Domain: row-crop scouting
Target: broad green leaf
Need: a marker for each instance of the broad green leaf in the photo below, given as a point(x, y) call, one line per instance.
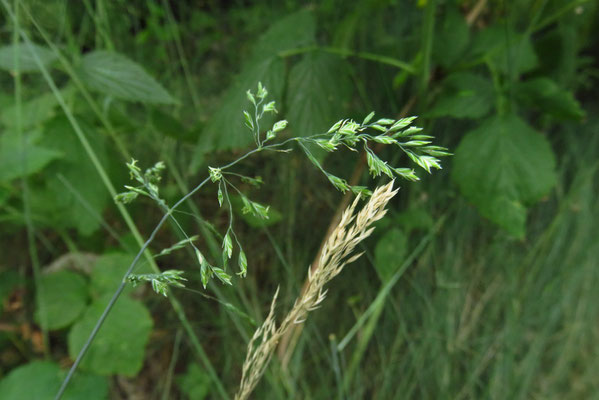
point(390, 252)
point(108, 273)
point(26, 57)
point(17, 160)
point(40, 380)
point(464, 95)
point(319, 89)
point(511, 53)
point(545, 95)
point(195, 383)
point(226, 129)
point(119, 347)
point(77, 193)
point(114, 74)
point(451, 39)
point(33, 112)
point(64, 299)
point(503, 166)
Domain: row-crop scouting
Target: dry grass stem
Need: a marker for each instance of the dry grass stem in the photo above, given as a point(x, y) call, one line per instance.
point(339, 250)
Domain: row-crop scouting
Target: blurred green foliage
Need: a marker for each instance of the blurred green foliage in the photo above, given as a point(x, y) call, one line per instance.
point(479, 284)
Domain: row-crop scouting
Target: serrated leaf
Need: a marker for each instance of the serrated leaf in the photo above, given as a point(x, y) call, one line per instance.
point(114, 74)
point(26, 56)
point(119, 347)
point(64, 299)
point(319, 87)
point(545, 95)
point(263, 66)
point(502, 167)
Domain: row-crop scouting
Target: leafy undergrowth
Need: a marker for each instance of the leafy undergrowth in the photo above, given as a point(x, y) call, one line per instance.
point(479, 283)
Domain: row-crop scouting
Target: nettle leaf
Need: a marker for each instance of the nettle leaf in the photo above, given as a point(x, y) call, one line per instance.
point(114, 74)
point(464, 95)
point(40, 380)
point(390, 252)
point(545, 95)
point(502, 167)
point(64, 299)
point(264, 66)
point(27, 57)
point(119, 347)
point(319, 88)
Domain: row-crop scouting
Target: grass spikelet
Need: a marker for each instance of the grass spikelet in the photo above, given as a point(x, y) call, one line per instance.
point(338, 251)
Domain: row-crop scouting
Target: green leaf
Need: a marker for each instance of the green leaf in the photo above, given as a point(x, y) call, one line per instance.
point(108, 272)
point(33, 112)
point(115, 75)
point(17, 161)
point(64, 299)
point(452, 38)
point(464, 95)
point(195, 383)
point(79, 197)
point(319, 91)
point(264, 66)
point(511, 53)
point(40, 380)
point(26, 56)
point(502, 167)
point(390, 252)
point(119, 347)
point(545, 95)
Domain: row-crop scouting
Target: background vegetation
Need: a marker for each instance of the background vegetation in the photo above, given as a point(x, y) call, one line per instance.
point(480, 283)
